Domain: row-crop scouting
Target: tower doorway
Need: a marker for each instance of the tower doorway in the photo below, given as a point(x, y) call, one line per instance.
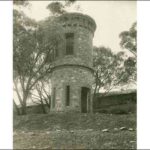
point(85, 99)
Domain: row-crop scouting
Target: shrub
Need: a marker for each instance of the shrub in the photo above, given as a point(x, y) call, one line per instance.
point(118, 111)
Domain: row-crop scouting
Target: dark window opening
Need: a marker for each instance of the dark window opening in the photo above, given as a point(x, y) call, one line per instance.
point(85, 99)
point(69, 43)
point(53, 53)
point(54, 97)
point(67, 95)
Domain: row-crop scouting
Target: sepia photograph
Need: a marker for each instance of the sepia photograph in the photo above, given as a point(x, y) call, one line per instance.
point(74, 74)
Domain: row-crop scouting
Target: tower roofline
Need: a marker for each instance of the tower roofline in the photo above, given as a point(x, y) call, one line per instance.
point(79, 17)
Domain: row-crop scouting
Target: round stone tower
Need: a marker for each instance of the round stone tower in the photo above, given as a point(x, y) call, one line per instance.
point(72, 72)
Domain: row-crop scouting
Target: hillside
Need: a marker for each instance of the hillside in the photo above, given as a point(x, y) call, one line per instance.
point(78, 131)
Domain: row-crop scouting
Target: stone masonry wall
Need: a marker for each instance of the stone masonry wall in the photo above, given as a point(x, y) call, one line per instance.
point(82, 49)
point(73, 70)
point(82, 41)
point(74, 77)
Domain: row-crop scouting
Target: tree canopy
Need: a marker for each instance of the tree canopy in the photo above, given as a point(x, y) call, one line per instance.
point(21, 2)
point(58, 8)
point(34, 44)
point(129, 39)
point(110, 69)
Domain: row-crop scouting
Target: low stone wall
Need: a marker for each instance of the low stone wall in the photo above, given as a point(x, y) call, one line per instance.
point(34, 109)
point(115, 103)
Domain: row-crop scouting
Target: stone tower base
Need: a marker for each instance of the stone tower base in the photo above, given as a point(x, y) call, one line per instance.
point(79, 81)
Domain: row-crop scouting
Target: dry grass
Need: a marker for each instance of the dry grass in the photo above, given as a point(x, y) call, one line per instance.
point(74, 131)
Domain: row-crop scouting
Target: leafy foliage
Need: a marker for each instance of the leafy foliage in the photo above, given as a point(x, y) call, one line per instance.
point(21, 2)
point(58, 8)
point(131, 68)
point(34, 46)
point(110, 69)
point(129, 39)
point(41, 95)
point(24, 42)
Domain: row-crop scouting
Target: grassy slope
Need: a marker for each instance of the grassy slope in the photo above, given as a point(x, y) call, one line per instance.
point(74, 131)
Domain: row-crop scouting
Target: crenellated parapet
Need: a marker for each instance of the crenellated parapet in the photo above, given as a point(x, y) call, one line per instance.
point(77, 20)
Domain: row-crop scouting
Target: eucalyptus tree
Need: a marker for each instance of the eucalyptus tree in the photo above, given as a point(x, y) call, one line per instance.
point(129, 39)
point(42, 94)
point(110, 70)
point(59, 7)
point(34, 45)
point(129, 42)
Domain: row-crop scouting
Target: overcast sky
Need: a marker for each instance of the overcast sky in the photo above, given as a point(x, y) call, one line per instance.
point(111, 17)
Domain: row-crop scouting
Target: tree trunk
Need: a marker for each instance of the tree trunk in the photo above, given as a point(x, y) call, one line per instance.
point(94, 96)
point(43, 107)
point(47, 102)
point(16, 108)
point(24, 104)
point(24, 111)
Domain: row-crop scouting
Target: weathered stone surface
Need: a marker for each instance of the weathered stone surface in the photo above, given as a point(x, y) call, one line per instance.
point(73, 70)
point(105, 130)
point(131, 129)
point(123, 128)
point(76, 78)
